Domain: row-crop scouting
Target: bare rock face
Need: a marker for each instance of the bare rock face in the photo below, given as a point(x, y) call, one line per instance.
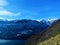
point(47, 37)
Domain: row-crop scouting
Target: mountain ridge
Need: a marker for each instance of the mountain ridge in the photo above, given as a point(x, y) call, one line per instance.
point(46, 34)
point(21, 28)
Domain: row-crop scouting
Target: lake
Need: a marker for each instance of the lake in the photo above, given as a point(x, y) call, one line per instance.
point(12, 42)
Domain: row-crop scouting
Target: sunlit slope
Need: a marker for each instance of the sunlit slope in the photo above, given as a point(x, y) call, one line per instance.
point(50, 36)
point(52, 41)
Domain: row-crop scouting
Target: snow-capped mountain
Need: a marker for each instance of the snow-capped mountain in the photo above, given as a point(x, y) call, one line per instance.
point(22, 29)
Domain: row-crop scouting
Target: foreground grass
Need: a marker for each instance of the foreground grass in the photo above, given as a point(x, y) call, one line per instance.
point(55, 40)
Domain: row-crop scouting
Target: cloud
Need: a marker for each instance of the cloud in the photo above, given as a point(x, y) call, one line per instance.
point(8, 13)
point(4, 2)
point(52, 19)
point(2, 18)
point(4, 12)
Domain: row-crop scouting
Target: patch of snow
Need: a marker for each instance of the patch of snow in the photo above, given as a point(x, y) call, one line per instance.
point(18, 34)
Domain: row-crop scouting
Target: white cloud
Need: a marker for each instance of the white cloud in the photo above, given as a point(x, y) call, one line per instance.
point(52, 19)
point(4, 2)
point(4, 12)
point(8, 13)
point(2, 18)
point(9, 19)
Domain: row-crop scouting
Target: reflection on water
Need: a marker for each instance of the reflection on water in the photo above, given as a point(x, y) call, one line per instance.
point(4, 41)
point(12, 42)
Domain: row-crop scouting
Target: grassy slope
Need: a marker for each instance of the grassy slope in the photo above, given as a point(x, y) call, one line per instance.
point(55, 37)
point(54, 40)
point(49, 37)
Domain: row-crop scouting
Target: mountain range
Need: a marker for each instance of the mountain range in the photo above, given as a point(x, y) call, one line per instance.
point(50, 36)
point(22, 29)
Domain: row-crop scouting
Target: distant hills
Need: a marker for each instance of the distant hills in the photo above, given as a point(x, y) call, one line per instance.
point(22, 29)
point(50, 36)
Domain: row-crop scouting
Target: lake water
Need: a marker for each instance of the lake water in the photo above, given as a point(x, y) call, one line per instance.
point(12, 42)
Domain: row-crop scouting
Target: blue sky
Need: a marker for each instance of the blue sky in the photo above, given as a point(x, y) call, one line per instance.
point(29, 9)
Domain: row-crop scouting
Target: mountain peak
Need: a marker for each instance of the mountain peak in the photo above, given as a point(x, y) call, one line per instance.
point(47, 34)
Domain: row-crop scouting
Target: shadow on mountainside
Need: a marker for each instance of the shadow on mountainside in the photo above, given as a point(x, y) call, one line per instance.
point(45, 35)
